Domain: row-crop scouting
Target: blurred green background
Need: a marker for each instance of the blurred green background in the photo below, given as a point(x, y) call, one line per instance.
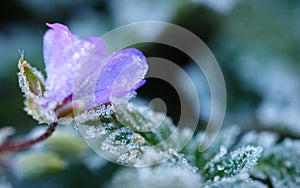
point(257, 44)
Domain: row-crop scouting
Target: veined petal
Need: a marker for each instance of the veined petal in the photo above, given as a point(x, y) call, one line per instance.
point(63, 52)
point(122, 73)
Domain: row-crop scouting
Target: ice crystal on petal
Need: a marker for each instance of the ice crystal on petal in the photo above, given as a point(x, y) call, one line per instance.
point(78, 76)
point(62, 55)
point(122, 73)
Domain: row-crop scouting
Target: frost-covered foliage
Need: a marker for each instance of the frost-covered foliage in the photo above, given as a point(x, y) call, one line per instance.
point(139, 137)
point(247, 165)
point(240, 160)
point(280, 164)
point(255, 159)
point(133, 135)
point(122, 141)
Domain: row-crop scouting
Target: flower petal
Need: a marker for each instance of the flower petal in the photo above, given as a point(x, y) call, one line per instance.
point(122, 73)
point(63, 52)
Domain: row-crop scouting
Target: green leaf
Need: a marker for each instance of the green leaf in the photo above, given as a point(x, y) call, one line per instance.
point(240, 160)
point(226, 138)
point(131, 135)
point(112, 140)
point(31, 81)
point(280, 164)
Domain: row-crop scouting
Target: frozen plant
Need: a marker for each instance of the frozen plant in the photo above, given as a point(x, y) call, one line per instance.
point(70, 60)
point(93, 92)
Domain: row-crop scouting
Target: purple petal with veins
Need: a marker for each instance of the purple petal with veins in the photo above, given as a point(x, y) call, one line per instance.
point(62, 54)
point(122, 73)
point(77, 69)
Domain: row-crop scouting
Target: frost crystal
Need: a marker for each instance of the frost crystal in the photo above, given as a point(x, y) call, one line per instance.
point(102, 111)
point(280, 164)
point(138, 118)
point(226, 138)
point(92, 131)
point(114, 133)
point(241, 160)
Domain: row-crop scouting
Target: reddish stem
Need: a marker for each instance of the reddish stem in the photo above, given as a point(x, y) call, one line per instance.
point(18, 145)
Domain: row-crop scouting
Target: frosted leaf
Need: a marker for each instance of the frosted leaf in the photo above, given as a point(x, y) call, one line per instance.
point(103, 111)
point(240, 160)
point(280, 164)
point(179, 161)
point(42, 115)
point(155, 127)
point(118, 140)
point(151, 156)
point(92, 131)
point(219, 156)
point(31, 81)
point(225, 139)
point(138, 118)
point(113, 142)
point(244, 158)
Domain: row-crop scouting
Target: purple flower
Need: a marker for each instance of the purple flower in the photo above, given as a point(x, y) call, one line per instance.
point(74, 66)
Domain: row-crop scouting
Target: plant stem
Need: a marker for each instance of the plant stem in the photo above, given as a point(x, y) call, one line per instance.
point(11, 146)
